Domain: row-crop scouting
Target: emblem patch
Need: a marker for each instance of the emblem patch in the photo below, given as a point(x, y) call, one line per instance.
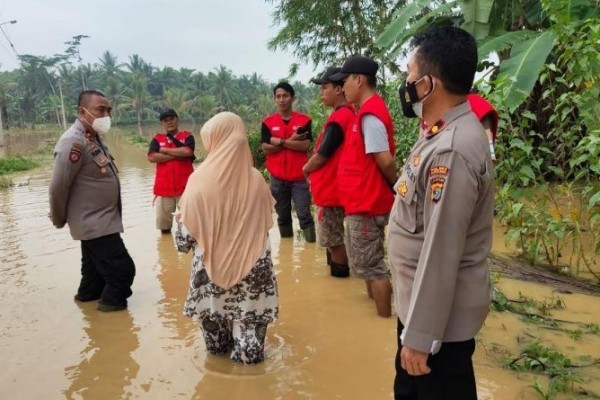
point(437, 186)
point(416, 160)
point(437, 180)
point(439, 170)
point(402, 189)
point(75, 153)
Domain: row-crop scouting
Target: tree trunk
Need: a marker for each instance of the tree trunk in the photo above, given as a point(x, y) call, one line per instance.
point(139, 118)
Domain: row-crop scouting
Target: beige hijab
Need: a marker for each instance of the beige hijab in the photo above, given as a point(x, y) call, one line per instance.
point(227, 205)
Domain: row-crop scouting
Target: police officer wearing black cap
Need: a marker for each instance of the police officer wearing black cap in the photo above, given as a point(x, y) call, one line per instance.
point(321, 171)
point(173, 154)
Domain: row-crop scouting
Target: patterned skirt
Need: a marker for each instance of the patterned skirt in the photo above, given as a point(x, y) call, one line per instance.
point(253, 300)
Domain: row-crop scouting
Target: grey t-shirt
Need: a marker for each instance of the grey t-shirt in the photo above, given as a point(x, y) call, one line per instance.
point(375, 134)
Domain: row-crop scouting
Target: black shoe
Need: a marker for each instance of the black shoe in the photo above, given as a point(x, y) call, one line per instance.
point(82, 299)
point(109, 307)
point(165, 231)
point(339, 271)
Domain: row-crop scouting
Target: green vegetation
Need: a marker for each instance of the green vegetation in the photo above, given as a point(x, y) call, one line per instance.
point(44, 90)
point(545, 87)
point(11, 164)
point(535, 357)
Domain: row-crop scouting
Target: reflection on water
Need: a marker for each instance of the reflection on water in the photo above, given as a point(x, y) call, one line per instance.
point(107, 365)
point(327, 344)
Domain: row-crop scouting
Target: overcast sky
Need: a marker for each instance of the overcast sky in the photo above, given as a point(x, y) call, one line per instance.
point(197, 34)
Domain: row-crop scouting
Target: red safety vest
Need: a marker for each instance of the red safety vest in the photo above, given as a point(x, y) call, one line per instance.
point(323, 181)
point(286, 164)
point(482, 108)
point(362, 187)
point(171, 176)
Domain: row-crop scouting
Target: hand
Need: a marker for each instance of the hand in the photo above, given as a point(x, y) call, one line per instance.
point(305, 172)
point(414, 362)
point(298, 136)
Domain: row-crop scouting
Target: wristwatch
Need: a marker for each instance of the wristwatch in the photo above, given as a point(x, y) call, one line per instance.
point(282, 143)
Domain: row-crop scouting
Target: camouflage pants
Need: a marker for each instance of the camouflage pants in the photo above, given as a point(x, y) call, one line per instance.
point(365, 239)
point(330, 226)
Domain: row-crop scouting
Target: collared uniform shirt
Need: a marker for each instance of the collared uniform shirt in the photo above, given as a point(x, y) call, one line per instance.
point(440, 233)
point(85, 190)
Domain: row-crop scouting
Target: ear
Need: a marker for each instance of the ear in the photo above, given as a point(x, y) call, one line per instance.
point(433, 81)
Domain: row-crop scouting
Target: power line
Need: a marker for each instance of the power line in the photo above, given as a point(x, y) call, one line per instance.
point(9, 41)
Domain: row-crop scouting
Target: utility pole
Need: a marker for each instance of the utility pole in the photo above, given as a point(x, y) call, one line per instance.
point(2, 105)
point(1, 127)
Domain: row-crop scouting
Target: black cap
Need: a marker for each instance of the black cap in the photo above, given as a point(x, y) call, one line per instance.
point(326, 76)
point(357, 65)
point(167, 112)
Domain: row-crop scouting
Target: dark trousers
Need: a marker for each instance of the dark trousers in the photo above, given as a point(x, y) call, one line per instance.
point(284, 192)
point(107, 270)
point(451, 377)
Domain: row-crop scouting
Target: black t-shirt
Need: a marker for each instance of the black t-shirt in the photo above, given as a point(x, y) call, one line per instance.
point(332, 140)
point(265, 132)
point(189, 142)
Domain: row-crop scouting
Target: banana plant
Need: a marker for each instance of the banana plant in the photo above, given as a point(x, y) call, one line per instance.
point(486, 20)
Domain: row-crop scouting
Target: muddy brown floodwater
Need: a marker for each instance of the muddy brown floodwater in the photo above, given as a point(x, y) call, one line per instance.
point(327, 344)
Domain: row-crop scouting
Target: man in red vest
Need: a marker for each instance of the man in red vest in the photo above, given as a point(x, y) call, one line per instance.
point(322, 169)
point(366, 173)
point(173, 154)
point(286, 137)
point(488, 116)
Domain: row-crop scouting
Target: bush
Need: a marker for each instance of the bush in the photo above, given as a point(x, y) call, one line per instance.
point(11, 164)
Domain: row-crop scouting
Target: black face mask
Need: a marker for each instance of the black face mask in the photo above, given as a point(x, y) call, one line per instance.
point(408, 95)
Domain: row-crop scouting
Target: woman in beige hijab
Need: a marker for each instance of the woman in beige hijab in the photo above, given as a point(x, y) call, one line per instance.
point(225, 216)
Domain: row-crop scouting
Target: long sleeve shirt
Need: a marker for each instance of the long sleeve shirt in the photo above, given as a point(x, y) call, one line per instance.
point(440, 233)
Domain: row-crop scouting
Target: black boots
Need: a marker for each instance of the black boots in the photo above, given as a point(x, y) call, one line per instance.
point(339, 270)
point(309, 234)
point(286, 231)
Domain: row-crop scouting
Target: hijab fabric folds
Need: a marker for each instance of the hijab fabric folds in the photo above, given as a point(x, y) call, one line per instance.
point(227, 205)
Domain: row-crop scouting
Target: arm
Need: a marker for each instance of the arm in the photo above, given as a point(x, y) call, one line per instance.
point(267, 144)
point(159, 158)
point(376, 144)
point(183, 238)
point(158, 154)
point(333, 137)
point(314, 163)
point(178, 152)
point(67, 162)
point(300, 140)
point(487, 126)
point(451, 193)
point(387, 166)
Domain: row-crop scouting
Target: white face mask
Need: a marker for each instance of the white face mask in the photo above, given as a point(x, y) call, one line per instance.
point(101, 125)
point(418, 107)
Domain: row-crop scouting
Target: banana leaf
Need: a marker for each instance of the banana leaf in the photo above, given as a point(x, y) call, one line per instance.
point(522, 69)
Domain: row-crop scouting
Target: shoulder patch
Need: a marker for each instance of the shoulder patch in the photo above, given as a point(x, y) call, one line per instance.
point(437, 180)
point(437, 186)
point(75, 153)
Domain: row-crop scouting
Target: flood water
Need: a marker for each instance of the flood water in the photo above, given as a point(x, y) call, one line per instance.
point(327, 344)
